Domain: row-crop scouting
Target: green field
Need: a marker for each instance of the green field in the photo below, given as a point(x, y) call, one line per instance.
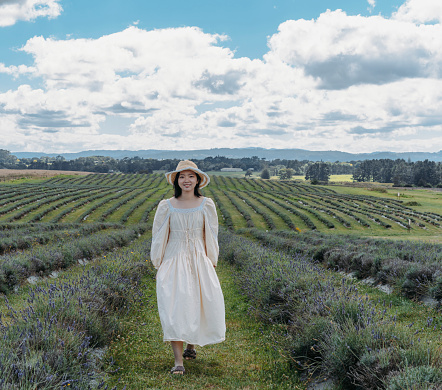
point(93, 231)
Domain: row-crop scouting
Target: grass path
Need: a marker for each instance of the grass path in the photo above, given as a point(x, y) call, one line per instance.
point(246, 360)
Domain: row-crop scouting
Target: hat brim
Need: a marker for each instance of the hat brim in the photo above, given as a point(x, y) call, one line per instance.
point(205, 179)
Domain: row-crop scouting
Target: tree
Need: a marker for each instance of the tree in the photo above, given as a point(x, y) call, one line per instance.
point(425, 173)
point(400, 174)
point(248, 173)
point(285, 174)
point(318, 171)
point(364, 171)
point(274, 169)
point(297, 166)
point(6, 157)
point(439, 174)
point(265, 174)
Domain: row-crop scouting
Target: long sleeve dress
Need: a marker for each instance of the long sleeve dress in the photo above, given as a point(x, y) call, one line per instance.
point(184, 251)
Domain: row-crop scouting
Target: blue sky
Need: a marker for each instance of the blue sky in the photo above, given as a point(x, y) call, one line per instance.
point(139, 74)
point(247, 23)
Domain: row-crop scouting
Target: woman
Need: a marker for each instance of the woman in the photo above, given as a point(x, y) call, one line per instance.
point(185, 253)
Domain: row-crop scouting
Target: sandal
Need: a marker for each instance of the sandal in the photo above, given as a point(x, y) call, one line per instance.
point(178, 370)
point(189, 354)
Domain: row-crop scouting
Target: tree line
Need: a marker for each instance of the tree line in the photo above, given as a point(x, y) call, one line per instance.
point(399, 172)
point(104, 164)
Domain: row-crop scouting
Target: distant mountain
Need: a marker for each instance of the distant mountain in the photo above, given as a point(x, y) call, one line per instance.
point(268, 154)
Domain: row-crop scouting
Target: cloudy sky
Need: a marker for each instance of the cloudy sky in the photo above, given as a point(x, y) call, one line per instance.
point(348, 75)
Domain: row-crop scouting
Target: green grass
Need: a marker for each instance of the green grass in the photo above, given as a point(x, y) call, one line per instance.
point(245, 360)
point(430, 201)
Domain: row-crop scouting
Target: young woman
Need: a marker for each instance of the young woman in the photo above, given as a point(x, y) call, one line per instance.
point(185, 253)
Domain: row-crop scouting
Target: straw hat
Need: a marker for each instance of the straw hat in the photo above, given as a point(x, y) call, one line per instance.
point(188, 165)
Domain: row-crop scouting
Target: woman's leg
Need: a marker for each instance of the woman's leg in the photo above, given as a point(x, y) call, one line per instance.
point(177, 347)
point(190, 352)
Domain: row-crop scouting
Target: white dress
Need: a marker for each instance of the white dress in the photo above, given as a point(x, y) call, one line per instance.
point(184, 251)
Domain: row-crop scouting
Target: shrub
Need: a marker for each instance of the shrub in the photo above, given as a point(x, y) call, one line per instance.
point(375, 365)
point(412, 203)
point(416, 281)
point(379, 189)
point(416, 378)
point(304, 340)
point(362, 264)
point(265, 174)
point(436, 290)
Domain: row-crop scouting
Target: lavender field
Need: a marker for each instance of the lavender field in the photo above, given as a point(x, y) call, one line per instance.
point(348, 278)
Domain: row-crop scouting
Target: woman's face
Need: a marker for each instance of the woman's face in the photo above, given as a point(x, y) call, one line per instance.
point(187, 180)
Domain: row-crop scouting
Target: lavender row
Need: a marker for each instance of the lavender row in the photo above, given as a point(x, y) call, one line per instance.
point(24, 236)
point(59, 340)
point(136, 205)
point(224, 213)
point(41, 261)
point(412, 268)
point(329, 327)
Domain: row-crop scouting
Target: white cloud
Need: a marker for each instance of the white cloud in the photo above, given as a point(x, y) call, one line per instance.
point(161, 74)
point(16, 71)
point(420, 11)
point(12, 11)
point(338, 82)
point(341, 50)
point(165, 61)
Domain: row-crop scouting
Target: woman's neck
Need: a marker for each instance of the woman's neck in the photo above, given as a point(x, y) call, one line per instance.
point(186, 202)
point(187, 196)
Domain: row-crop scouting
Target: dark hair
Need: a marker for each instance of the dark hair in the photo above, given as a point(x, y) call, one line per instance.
point(179, 191)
